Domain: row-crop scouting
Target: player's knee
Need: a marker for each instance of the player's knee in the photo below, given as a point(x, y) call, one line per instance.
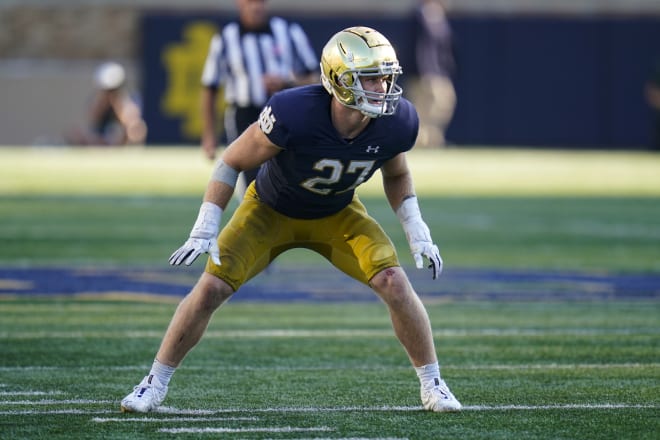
point(391, 284)
point(213, 292)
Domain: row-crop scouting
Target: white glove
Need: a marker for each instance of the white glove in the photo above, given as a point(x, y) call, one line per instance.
point(203, 237)
point(419, 236)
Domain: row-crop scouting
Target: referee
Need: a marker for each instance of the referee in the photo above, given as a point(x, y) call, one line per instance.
point(252, 58)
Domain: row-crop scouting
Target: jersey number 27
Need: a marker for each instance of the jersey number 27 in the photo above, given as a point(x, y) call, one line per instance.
point(323, 185)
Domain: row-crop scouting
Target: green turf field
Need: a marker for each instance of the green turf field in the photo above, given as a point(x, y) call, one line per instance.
point(523, 370)
point(535, 368)
point(450, 172)
point(486, 208)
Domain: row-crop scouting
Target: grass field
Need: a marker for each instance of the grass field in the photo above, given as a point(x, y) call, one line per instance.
point(533, 368)
point(449, 172)
point(523, 370)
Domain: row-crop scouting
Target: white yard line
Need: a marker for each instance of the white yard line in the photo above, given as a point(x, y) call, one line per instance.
point(56, 402)
point(172, 419)
point(205, 413)
point(30, 393)
point(340, 333)
point(555, 366)
point(34, 412)
point(540, 366)
point(242, 430)
point(604, 406)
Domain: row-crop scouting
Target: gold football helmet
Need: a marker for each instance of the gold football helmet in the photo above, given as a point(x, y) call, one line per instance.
point(358, 52)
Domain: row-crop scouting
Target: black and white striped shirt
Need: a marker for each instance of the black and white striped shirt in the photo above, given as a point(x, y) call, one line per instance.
point(238, 59)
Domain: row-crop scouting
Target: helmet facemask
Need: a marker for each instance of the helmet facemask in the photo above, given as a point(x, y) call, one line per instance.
point(373, 104)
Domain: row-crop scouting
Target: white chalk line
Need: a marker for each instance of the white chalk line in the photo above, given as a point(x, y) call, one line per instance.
point(57, 402)
point(242, 430)
point(218, 412)
point(587, 406)
point(339, 333)
point(171, 419)
point(30, 393)
point(33, 412)
point(541, 366)
point(161, 410)
point(555, 366)
point(603, 406)
point(294, 409)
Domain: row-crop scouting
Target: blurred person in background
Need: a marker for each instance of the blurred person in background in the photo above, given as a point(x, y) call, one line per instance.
point(114, 116)
point(433, 91)
point(652, 92)
point(252, 58)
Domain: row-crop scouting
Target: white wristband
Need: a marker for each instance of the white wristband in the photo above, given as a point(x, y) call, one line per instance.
point(409, 211)
point(208, 221)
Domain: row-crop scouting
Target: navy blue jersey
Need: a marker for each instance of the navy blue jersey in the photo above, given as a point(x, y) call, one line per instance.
point(317, 172)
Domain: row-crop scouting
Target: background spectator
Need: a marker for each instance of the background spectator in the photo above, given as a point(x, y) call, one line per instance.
point(114, 116)
point(433, 91)
point(652, 91)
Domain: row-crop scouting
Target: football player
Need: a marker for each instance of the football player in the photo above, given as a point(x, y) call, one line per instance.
point(317, 143)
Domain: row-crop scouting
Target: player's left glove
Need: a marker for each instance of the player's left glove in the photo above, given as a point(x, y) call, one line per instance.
point(203, 237)
point(419, 236)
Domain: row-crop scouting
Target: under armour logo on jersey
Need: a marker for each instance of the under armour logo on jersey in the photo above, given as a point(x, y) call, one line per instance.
point(266, 120)
point(373, 148)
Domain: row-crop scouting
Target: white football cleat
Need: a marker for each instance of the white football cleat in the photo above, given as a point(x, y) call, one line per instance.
point(437, 397)
point(146, 396)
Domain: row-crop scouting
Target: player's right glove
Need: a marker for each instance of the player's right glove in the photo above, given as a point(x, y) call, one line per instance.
point(203, 237)
point(419, 236)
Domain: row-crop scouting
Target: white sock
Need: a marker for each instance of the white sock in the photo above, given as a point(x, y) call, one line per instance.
point(429, 373)
point(163, 372)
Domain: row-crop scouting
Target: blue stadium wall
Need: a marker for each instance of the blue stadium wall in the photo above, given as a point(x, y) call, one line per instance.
point(521, 81)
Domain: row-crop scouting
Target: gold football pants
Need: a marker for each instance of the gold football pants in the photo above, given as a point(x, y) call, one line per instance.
point(350, 239)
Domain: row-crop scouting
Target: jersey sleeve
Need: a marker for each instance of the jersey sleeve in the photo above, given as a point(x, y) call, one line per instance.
point(273, 123)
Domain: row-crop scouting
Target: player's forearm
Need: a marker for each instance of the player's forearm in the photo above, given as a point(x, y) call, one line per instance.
point(398, 188)
point(218, 193)
point(221, 184)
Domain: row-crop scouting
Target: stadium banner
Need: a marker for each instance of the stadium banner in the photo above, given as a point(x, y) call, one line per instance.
point(174, 49)
point(521, 80)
